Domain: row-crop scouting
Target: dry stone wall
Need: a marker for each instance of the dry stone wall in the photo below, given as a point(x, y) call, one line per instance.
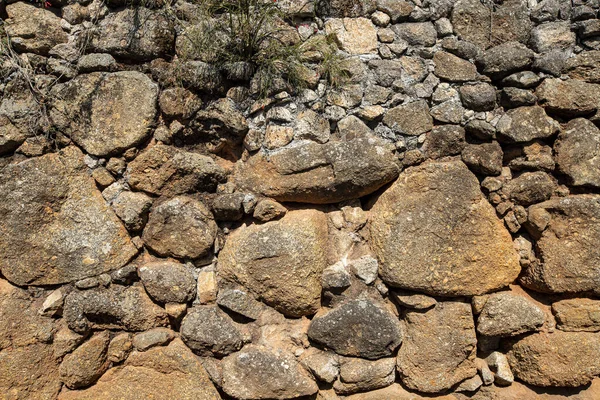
point(429, 227)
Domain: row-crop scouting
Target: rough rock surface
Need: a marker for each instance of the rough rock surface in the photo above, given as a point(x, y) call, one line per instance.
point(56, 226)
point(577, 315)
point(433, 258)
point(569, 98)
point(525, 124)
point(281, 261)
point(578, 152)
point(33, 29)
point(168, 282)
point(439, 347)
point(87, 363)
point(208, 330)
point(508, 314)
point(106, 113)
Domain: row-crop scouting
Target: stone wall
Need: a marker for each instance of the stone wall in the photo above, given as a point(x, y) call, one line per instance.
point(428, 229)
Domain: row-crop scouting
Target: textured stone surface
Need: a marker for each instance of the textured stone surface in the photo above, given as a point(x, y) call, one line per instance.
point(356, 36)
point(105, 113)
point(578, 152)
point(524, 124)
point(256, 372)
point(208, 330)
point(409, 119)
point(168, 282)
point(508, 314)
point(434, 258)
point(577, 315)
point(56, 226)
point(439, 347)
point(347, 330)
point(358, 375)
point(87, 363)
point(454, 69)
point(563, 359)
point(33, 29)
point(320, 173)
point(569, 98)
point(281, 261)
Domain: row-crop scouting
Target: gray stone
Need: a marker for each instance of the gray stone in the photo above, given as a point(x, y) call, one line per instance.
point(454, 69)
point(347, 330)
point(241, 302)
point(522, 80)
point(228, 206)
point(96, 62)
point(409, 119)
point(449, 112)
point(577, 151)
point(365, 268)
point(485, 158)
point(513, 97)
point(323, 364)
point(396, 9)
point(179, 102)
point(335, 277)
point(152, 338)
point(508, 314)
point(168, 282)
point(503, 375)
point(551, 36)
point(209, 331)
point(525, 124)
point(530, 187)
point(569, 98)
point(480, 97)
point(311, 126)
point(132, 208)
point(416, 33)
point(505, 59)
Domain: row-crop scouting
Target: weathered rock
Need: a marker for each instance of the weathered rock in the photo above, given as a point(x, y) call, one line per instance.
point(105, 113)
point(395, 9)
point(564, 359)
point(505, 59)
point(394, 392)
point(585, 66)
point(513, 97)
point(347, 330)
point(358, 375)
point(170, 171)
point(336, 277)
point(354, 35)
point(152, 338)
point(569, 98)
point(119, 347)
point(179, 103)
point(409, 119)
point(173, 369)
point(365, 268)
point(256, 372)
point(320, 173)
point(448, 112)
point(311, 126)
point(445, 140)
point(508, 314)
point(135, 33)
point(416, 33)
point(56, 226)
point(566, 248)
point(240, 302)
point(577, 315)
point(85, 365)
point(480, 97)
point(132, 208)
point(118, 307)
point(523, 80)
point(454, 69)
point(96, 62)
point(485, 158)
point(439, 347)
point(578, 152)
point(168, 282)
point(535, 156)
point(440, 261)
point(503, 375)
point(551, 36)
point(209, 331)
point(267, 210)
point(280, 261)
point(345, 8)
point(180, 227)
point(324, 365)
point(228, 206)
point(481, 130)
point(530, 187)
point(32, 29)
point(413, 300)
point(525, 124)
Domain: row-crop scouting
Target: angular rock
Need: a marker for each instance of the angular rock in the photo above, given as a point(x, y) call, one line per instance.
point(552, 36)
point(505, 59)
point(267, 210)
point(209, 331)
point(87, 363)
point(396, 9)
point(256, 372)
point(503, 375)
point(228, 206)
point(454, 69)
point(336, 277)
point(119, 347)
point(567, 252)
point(522, 80)
point(32, 29)
point(168, 282)
point(585, 66)
point(577, 315)
point(439, 347)
point(280, 261)
point(344, 8)
point(166, 170)
point(354, 35)
point(311, 126)
point(127, 308)
point(485, 158)
point(324, 365)
point(180, 227)
point(240, 302)
point(179, 103)
point(358, 375)
point(347, 330)
point(445, 140)
point(480, 97)
point(173, 369)
point(508, 314)
point(416, 33)
point(448, 112)
point(563, 359)
point(409, 119)
point(434, 258)
point(152, 338)
point(132, 208)
point(320, 173)
point(105, 113)
point(513, 97)
point(525, 124)
point(136, 33)
point(578, 152)
point(530, 187)
point(56, 226)
point(413, 300)
point(570, 98)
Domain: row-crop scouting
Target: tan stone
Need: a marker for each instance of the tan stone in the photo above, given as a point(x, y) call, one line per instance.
point(354, 35)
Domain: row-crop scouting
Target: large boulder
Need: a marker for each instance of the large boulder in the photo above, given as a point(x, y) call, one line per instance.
point(567, 248)
point(56, 227)
point(173, 369)
point(310, 172)
point(418, 230)
point(569, 98)
point(257, 372)
point(578, 152)
point(564, 359)
point(439, 347)
point(32, 29)
point(180, 227)
point(280, 261)
point(348, 330)
point(135, 33)
point(105, 113)
point(167, 170)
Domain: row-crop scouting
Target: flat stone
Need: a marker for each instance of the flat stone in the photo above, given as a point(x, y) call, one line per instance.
point(409, 119)
point(577, 150)
point(413, 300)
point(569, 98)
point(168, 282)
point(577, 315)
point(87, 363)
point(319, 173)
point(440, 262)
point(416, 33)
point(180, 227)
point(566, 248)
point(505, 59)
point(76, 236)
point(280, 261)
point(508, 314)
point(454, 69)
point(347, 330)
point(354, 35)
point(444, 140)
point(563, 359)
point(210, 332)
point(358, 375)
point(530, 187)
point(240, 302)
point(551, 36)
point(585, 66)
point(439, 347)
point(256, 372)
point(525, 124)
